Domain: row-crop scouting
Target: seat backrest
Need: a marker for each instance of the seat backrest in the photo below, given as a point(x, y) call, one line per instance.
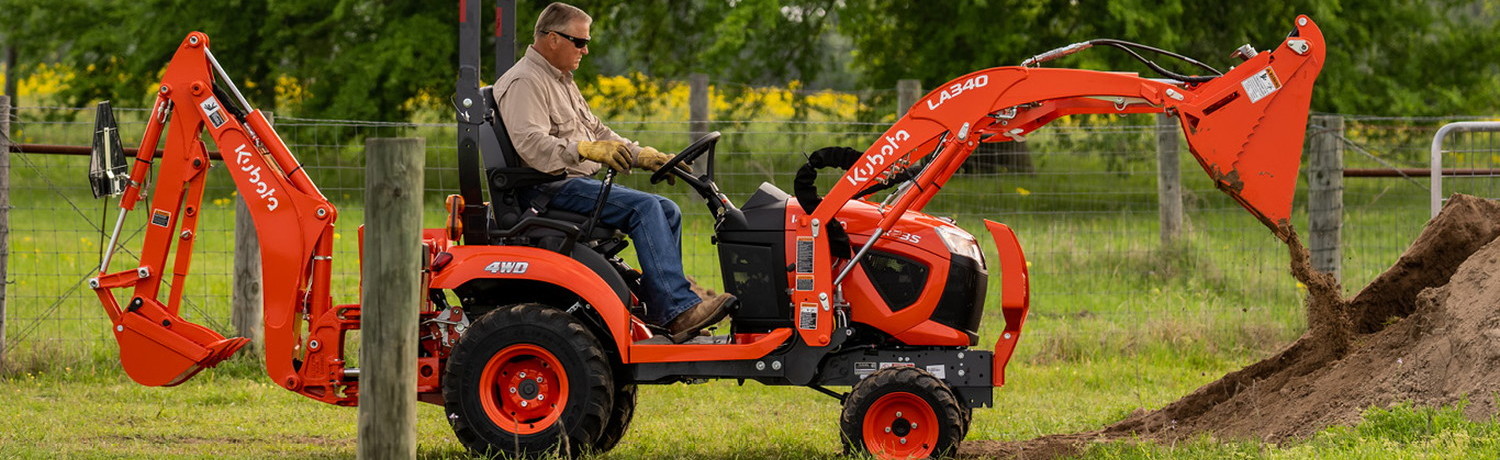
point(495, 143)
point(504, 172)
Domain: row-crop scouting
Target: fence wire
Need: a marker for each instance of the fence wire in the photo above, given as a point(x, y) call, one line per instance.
point(1081, 195)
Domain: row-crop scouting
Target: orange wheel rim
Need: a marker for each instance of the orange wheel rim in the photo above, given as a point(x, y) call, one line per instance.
point(523, 389)
point(900, 425)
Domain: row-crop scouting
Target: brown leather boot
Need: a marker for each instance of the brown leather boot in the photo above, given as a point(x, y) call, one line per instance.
point(707, 312)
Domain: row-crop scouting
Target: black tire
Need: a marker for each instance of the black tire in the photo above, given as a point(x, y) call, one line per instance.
point(497, 384)
point(902, 412)
point(619, 419)
point(968, 418)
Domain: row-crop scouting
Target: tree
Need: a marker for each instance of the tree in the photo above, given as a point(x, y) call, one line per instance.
point(1402, 57)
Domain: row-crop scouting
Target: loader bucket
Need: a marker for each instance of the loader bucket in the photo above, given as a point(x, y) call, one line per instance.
point(1246, 128)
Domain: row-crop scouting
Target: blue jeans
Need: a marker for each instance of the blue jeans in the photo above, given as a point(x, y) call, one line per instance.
point(653, 222)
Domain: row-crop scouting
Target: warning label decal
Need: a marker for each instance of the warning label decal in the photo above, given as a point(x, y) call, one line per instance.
point(1262, 84)
point(807, 317)
point(160, 217)
point(213, 111)
point(804, 255)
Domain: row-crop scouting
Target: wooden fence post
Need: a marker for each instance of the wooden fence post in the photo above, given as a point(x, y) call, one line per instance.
point(907, 92)
point(246, 304)
point(697, 105)
point(5, 112)
point(388, 319)
point(1325, 193)
point(1168, 179)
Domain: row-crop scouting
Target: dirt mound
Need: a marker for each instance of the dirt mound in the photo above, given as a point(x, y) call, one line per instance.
point(1426, 330)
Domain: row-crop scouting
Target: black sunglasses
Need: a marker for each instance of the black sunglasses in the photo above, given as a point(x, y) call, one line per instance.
point(577, 42)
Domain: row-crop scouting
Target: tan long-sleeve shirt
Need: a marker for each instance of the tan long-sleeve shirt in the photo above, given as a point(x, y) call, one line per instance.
point(546, 117)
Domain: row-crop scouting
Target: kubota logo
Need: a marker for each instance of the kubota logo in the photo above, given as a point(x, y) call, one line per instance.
point(501, 268)
point(242, 157)
point(867, 169)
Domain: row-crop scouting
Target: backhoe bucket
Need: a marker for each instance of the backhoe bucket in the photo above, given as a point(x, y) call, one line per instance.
point(1246, 128)
point(158, 348)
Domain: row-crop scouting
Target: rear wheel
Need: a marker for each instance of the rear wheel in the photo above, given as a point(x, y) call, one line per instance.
point(902, 412)
point(528, 380)
point(619, 419)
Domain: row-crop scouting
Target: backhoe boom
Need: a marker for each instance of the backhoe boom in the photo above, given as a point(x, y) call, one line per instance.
point(292, 217)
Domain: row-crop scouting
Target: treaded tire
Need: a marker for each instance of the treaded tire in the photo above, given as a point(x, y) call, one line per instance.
point(620, 416)
point(528, 381)
point(902, 403)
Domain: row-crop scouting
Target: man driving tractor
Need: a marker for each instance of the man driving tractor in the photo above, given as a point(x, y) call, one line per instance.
point(555, 132)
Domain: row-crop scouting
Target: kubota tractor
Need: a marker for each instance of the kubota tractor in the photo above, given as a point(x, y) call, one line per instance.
point(545, 348)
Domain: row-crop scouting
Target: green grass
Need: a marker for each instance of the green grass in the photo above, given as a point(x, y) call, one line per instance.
point(232, 412)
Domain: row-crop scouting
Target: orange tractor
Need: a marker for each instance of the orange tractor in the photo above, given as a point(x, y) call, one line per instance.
point(545, 348)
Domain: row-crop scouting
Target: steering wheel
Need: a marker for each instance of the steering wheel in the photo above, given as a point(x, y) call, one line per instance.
point(703, 145)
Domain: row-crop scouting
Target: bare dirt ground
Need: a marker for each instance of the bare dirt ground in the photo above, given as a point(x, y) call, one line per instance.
point(1427, 330)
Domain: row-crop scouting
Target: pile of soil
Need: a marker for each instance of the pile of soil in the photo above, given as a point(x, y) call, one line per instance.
point(1427, 330)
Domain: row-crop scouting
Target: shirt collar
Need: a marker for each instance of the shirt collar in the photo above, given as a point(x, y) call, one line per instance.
point(536, 59)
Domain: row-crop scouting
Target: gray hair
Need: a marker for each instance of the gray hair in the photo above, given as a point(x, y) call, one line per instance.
point(556, 16)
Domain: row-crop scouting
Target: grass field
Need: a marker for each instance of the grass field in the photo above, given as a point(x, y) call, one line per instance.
point(1119, 322)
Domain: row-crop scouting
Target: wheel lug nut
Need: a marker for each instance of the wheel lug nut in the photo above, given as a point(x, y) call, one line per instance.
point(903, 440)
point(523, 404)
point(898, 414)
point(539, 379)
point(541, 397)
point(887, 429)
point(913, 425)
point(512, 390)
point(523, 375)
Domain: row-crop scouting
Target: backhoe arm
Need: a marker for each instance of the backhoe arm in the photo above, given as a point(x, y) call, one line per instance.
point(292, 218)
point(1245, 127)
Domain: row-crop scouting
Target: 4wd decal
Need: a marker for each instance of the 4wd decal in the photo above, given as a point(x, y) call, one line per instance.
point(507, 268)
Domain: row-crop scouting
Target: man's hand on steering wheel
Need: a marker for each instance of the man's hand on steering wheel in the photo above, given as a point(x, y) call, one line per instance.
point(651, 159)
point(680, 163)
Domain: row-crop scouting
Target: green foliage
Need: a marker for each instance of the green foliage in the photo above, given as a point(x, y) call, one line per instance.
point(1404, 57)
point(363, 59)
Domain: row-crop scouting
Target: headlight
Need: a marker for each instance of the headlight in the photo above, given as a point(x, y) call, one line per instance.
point(961, 242)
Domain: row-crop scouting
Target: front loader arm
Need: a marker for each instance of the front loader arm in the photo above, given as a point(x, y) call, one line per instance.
point(292, 218)
point(1245, 128)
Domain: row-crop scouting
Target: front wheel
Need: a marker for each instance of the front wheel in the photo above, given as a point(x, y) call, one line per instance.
point(902, 412)
point(528, 380)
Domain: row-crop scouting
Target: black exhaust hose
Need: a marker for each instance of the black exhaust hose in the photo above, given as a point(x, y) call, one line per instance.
point(805, 187)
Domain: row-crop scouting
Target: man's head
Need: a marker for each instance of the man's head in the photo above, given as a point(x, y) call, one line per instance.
point(562, 35)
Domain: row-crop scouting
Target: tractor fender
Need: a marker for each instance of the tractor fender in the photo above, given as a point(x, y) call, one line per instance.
point(531, 264)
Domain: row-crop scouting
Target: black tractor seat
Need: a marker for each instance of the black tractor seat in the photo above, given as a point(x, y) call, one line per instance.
point(513, 221)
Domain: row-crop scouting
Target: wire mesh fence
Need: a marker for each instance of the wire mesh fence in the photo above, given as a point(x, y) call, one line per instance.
point(1081, 195)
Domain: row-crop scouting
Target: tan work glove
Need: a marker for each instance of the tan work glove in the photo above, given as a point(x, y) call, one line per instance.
point(610, 153)
point(651, 159)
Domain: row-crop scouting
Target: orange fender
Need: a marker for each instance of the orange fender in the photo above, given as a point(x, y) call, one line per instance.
point(526, 263)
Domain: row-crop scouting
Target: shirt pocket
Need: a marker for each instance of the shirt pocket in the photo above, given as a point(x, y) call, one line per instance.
point(564, 123)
